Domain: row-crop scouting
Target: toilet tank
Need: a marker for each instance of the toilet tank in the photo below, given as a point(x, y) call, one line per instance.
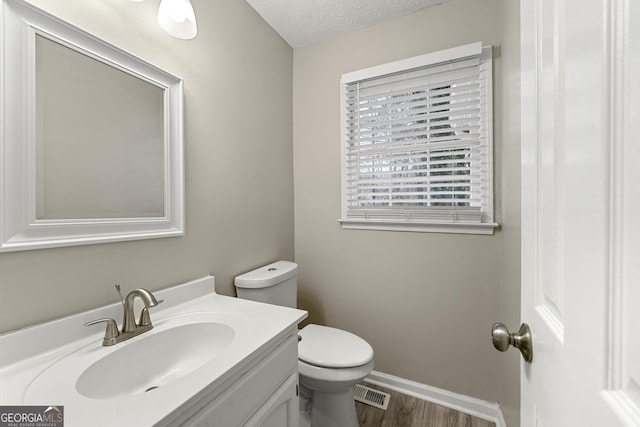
point(275, 283)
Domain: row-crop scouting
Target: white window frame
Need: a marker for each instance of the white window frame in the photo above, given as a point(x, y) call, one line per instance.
point(442, 220)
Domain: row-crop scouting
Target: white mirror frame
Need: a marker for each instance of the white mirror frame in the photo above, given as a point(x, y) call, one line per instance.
point(19, 227)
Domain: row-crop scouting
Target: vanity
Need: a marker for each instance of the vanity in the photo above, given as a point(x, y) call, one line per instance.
point(209, 360)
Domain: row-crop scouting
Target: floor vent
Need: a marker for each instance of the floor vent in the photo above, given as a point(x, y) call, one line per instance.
point(371, 397)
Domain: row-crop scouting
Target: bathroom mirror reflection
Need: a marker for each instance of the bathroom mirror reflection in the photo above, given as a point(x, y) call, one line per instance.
point(99, 139)
point(93, 145)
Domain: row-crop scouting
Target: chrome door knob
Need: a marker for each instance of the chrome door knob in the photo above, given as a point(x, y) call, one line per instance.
point(521, 340)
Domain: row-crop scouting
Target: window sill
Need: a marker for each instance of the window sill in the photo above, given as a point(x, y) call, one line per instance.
point(420, 227)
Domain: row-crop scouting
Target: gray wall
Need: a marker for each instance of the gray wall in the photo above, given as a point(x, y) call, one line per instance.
point(425, 301)
point(239, 178)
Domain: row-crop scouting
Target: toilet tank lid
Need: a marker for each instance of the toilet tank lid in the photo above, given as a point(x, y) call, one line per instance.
point(266, 276)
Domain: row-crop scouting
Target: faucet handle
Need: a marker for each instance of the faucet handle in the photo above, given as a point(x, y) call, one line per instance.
point(110, 333)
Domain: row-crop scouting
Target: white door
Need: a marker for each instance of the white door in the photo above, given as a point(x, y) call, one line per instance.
point(581, 212)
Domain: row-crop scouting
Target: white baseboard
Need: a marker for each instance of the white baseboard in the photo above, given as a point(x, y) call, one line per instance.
point(489, 411)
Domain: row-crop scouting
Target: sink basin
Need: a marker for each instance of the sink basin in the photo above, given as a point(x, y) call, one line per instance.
point(177, 348)
point(154, 360)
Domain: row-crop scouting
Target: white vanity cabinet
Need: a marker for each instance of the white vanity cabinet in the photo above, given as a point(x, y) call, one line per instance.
point(261, 393)
point(235, 364)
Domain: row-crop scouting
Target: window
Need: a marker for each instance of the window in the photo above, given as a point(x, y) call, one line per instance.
point(417, 144)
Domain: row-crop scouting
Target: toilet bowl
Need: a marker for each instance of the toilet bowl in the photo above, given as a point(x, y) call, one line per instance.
point(330, 361)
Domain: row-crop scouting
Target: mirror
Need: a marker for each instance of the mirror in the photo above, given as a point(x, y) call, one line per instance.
point(92, 141)
point(112, 164)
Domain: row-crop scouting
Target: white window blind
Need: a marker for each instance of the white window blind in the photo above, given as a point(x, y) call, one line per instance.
point(417, 143)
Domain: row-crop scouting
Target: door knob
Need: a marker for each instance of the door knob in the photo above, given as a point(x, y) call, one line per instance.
point(521, 340)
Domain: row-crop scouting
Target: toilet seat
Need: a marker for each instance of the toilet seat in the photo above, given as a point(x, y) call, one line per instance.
point(328, 347)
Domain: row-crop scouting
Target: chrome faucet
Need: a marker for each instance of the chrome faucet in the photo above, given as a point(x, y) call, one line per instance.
point(129, 319)
point(129, 326)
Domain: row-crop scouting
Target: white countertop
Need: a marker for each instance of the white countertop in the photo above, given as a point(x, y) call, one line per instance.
point(26, 354)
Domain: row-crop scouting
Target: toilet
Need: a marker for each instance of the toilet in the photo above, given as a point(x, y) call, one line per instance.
point(330, 361)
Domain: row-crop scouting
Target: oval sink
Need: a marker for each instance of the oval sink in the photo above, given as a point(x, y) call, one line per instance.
point(154, 360)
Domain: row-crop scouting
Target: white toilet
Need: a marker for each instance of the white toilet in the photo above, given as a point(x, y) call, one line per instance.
point(330, 361)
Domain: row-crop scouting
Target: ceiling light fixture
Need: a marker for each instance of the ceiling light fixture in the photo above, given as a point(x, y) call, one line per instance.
point(177, 18)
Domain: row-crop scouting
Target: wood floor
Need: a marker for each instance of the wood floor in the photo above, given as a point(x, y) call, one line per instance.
point(408, 411)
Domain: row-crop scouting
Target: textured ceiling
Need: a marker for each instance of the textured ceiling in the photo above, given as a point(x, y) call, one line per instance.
point(303, 22)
